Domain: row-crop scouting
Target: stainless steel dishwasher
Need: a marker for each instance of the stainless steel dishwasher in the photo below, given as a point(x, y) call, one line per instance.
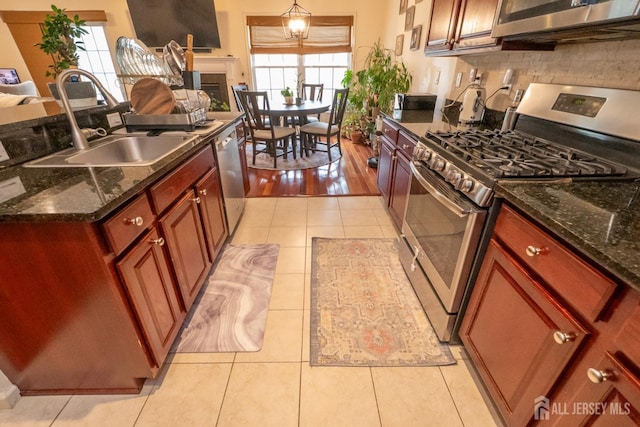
point(226, 144)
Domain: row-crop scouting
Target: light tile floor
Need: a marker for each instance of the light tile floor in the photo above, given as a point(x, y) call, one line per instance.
point(276, 386)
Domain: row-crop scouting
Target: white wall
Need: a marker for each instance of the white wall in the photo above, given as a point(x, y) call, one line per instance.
point(231, 16)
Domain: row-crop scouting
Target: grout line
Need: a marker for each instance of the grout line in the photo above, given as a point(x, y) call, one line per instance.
point(455, 404)
point(375, 395)
point(224, 395)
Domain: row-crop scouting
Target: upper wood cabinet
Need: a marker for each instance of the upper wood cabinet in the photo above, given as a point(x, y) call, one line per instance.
point(464, 26)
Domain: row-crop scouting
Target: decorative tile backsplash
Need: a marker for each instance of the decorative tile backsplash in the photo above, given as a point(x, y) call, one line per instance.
point(613, 64)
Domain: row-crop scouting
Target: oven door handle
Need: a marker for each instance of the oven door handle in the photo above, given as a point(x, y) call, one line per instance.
point(446, 202)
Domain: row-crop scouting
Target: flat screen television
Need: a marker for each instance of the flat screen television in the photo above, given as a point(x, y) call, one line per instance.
point(157, 22)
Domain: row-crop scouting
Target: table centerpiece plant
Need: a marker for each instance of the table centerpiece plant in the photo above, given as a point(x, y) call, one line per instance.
point(287, 93)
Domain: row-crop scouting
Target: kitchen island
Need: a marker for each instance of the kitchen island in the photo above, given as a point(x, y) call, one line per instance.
point(101, 265)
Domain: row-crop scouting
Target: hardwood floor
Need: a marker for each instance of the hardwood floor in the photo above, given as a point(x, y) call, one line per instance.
point(348, 176)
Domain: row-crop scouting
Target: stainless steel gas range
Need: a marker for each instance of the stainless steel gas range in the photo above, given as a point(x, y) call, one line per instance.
point(561, 133)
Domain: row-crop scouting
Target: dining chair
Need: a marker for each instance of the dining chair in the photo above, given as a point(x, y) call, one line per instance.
point(311, 134)
point(235, 89)
point(313, 92)
point(274, 139)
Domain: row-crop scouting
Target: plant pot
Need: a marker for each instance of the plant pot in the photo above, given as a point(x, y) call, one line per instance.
point(357, 137)
point(288, 100)
point(81, 94)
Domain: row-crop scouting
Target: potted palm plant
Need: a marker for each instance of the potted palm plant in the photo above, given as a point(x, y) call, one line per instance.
point(59, 39)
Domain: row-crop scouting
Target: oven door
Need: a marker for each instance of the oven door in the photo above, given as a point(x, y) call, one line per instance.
point(443, 231)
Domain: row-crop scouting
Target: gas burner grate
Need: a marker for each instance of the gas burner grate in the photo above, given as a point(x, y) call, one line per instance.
point(515, 154)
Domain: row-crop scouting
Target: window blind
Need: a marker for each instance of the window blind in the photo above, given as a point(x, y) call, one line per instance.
point(327, 34)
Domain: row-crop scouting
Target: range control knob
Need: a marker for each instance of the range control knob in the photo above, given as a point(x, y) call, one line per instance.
point(426, 154)
point(465, 185)
point(454, 176)
point(439, 165)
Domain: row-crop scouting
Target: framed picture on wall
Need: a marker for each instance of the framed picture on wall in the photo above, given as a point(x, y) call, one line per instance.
point(403, 6)
point(399, 43)
point(415, 37)
point(408, 19)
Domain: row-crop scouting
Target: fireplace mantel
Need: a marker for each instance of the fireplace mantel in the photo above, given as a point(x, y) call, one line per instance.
point(227, 65)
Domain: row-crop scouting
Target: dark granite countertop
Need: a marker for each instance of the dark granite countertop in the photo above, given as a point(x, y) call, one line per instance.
point(599, 219)
point(82, 193)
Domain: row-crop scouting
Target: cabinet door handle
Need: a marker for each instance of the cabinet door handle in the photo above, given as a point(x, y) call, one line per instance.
point(134, 221)
point(197, 200)
point(159, 241)
point(533, 251)
point(203, 192)
point(563, 337)
point(597, 377)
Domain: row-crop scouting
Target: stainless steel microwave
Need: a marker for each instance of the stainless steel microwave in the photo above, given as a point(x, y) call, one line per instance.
point(567, 19)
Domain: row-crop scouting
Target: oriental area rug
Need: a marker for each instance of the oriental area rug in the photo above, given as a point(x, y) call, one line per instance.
point(364, 311)
point(314, 160)
point(230, 313)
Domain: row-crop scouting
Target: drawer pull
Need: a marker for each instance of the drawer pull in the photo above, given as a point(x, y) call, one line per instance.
point(203, 192)
point(563, 337)
point(597, 377)
point(134, 221)
point(159, 241)
point(533, 251)
point(197, 200)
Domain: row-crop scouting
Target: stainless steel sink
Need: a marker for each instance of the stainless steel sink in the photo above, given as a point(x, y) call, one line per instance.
point(117, 150)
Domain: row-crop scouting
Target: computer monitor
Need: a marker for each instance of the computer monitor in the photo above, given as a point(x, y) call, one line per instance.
point(9, 76)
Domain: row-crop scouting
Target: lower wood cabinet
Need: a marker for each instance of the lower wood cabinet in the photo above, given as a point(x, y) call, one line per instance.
point(602, 391)
point(146, 275)
point(184, 233)
point(513, 331)
point(209, 192)
point(394, 171)
point(554, 341)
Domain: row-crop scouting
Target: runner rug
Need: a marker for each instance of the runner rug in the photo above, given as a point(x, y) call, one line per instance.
point(230, 313)
point(364, 311)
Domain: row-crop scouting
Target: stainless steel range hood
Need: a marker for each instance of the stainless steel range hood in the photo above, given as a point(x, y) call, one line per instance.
point(567, 21)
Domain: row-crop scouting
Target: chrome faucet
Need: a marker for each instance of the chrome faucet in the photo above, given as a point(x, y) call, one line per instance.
point(77, 136)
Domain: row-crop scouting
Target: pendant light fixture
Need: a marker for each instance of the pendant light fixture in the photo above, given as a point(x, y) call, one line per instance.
point(295, 22)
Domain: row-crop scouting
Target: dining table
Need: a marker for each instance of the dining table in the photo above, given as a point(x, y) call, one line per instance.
point(296, 115)
point(301, 112)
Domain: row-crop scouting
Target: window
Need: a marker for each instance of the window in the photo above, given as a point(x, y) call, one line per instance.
point(274, 72)
point(277, 62)
point(96, 59)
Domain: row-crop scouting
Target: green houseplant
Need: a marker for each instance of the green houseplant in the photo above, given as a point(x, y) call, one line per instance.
point(59, 34)
point(288, 95)
point(373, 88)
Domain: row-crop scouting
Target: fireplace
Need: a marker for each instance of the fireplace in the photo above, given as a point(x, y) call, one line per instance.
point(215, 85)
point(217, 75)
